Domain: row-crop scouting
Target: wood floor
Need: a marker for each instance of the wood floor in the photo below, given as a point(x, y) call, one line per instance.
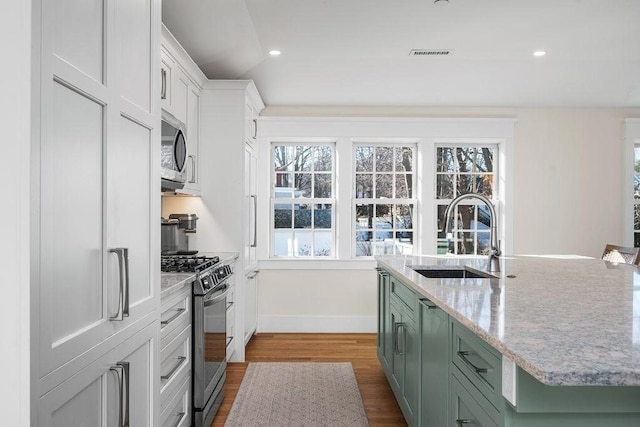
point(359, 349)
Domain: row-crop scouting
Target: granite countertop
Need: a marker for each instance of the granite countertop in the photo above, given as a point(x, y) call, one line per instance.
point(565, 320)
point(171, 283)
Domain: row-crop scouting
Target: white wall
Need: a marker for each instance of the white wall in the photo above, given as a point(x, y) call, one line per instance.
point(317, 300)
point(568, 172)
point(15, 114)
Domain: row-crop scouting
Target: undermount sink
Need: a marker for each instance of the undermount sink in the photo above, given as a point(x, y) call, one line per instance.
point(438, 272)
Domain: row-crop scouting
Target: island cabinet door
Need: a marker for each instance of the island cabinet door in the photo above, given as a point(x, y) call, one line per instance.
point(384, 323)
point(434, 341)
point(116, 387)
point(411, 381)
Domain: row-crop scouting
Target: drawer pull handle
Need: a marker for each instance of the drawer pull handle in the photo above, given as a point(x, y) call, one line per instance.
point(397, 334)
point(172, 318)
point(180, 416)
point(181, 360)
point(463, 355)
point(462, 422)
point(428, 304)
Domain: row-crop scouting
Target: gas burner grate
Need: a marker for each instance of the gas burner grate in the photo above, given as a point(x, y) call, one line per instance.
point(186, 264)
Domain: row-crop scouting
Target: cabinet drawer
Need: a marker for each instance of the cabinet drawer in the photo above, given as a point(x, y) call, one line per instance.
point(176, 314)
point(468, 408)
point(177, 412)
point(402, 294)
point(480, 363)
point(175, 363)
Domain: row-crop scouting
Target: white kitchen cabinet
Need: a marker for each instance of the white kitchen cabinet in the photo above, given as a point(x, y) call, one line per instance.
point(175, 357)
point(232, 312)
point(250, 305)
point(93, 397)
point(251, 209)
point(183, 102)
point(251, 122)
point(228, 180)
point(167, 67)
point(95, 247)
point(192, 186)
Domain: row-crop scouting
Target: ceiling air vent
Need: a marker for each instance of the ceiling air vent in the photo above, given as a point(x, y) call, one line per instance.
point(430, 52)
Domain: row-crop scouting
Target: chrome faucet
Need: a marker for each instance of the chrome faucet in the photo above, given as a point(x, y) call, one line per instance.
point(493, 263)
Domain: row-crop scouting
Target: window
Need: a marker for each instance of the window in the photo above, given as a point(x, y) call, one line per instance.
point(384, 202)
point(302, 200)
point(465, 169)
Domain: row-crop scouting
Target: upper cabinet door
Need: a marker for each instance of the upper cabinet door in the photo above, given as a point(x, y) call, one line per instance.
point(95, 185)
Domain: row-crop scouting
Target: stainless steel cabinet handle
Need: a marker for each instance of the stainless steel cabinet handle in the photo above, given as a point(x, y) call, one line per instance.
point(123, 268)
point(181, 360)
point(253, 274)
point(463, 354)
point(254, 241)
point(462, 422)
point(193, 169)
point(428, 304)
point(163, 92)
point(172, 318)
point(122, 371)
point(229, 305)
point(180, 416)
point(255, 129)
point(397, 334)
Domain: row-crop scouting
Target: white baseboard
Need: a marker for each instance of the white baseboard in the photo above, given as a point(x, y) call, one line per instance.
point(318, 324)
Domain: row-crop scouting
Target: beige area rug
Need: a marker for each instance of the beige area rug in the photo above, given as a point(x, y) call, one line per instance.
point(298, 394)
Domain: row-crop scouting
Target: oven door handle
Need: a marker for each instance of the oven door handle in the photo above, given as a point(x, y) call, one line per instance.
point(211, 301)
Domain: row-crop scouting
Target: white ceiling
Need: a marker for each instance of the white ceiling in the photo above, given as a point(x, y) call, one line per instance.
point(356, 52)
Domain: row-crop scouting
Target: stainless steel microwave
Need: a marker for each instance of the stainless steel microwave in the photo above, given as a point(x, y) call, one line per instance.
point(173, 170)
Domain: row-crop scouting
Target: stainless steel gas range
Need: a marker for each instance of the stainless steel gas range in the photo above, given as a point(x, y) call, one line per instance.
point(209, 350)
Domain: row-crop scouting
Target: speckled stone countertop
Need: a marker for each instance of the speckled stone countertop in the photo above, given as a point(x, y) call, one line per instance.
point(171, 283)
point(567, 321)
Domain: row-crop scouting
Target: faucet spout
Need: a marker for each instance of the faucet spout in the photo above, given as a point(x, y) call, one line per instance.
point(493, 263)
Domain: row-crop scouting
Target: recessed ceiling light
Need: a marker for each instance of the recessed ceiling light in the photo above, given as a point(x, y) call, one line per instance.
point(274, 52)
point(539, 53)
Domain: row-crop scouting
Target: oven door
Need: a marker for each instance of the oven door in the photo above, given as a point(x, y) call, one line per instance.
point(210, 344)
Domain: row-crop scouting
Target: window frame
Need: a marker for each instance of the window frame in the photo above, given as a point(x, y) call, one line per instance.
point(343, 132)
point(632, 140)
point(313, 201)
point(355, 201)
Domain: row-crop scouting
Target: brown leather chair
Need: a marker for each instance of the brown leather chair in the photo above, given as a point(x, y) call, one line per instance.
point(621, 254)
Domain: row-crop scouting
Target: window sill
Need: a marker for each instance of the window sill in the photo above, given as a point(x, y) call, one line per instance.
point(368, 263)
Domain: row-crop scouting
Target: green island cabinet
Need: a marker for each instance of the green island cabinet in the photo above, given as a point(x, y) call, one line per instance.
point(442, 375)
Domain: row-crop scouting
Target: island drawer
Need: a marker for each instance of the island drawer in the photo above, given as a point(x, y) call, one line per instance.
point(480, 363)
point(405, 296)
point(467, 406)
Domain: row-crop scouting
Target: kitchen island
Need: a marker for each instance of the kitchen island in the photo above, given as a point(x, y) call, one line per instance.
point(559, 334)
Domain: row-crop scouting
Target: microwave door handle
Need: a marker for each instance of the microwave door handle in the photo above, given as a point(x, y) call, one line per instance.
point(193, 169)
